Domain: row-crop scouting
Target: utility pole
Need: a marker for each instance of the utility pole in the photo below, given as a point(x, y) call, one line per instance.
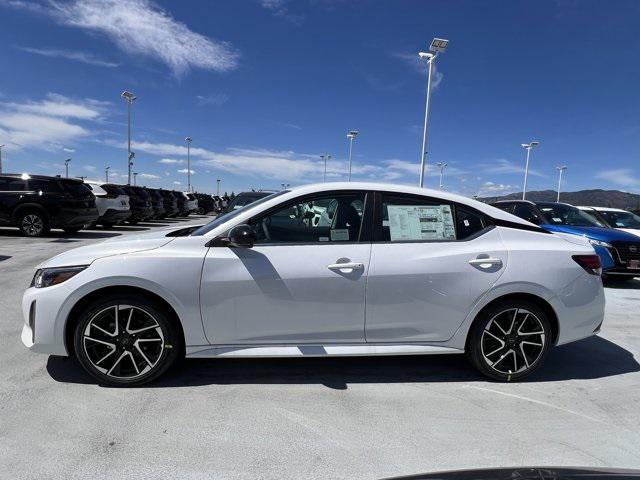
point(561, 170)
point(528, 147)
point(351, 136)
point(442, 167)
point(1, 157)
point(188, 140)
point(218, 188)
point(66, 167)
point(129, 98)
point(106, 174)
point(438, 45)
point(135, 176)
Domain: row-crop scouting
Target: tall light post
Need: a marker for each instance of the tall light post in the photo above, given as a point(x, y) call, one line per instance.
point(442, 167)
point(129, 98)
point(1, 158)
point(188, 140)
point(351, 136)
point(135, 176)
point(66, 167)
point(285, 185)
point(218, 187)
point(106, 174)
point(528, 147)
point(561, 170)
point(325, 158)
point(438, 45)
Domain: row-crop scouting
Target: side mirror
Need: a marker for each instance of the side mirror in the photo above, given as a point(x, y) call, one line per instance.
point(242, 236)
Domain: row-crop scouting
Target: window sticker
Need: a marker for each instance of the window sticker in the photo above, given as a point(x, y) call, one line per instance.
point(619, 224)
point(339, 234)
point(420, 222)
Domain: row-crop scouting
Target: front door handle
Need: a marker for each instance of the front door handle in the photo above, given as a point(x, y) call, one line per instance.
point(346, 266)
point(485, 262)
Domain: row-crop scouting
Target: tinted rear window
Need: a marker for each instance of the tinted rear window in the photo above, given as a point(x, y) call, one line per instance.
point(113, 189)
point(75, 188)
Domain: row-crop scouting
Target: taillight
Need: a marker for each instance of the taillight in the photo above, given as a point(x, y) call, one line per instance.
point(591, 263)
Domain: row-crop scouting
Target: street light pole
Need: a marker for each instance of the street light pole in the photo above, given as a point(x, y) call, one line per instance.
point(135, 176)
point(561, 170)
point(188, 140)
point(1, 158)
point(438, 45)
point(351, 136)
point(129, 98)
point(285, 185)
point(106, 174)
point(442, 167)
point(527, 147)
point(218, 187)
point(66, 167)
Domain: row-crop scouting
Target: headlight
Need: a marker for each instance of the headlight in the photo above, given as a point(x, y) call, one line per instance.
point(45, 277)
point(600, 243)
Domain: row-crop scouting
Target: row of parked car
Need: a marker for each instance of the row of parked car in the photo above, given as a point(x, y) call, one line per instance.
point(614, 233)
point(37, 203)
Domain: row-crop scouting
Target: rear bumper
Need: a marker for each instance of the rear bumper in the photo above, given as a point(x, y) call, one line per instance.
point(114, 216)
point(75, 218)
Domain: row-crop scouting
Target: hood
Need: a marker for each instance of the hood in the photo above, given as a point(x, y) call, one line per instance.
point(596, 233)
point(632, 231)
point(530, 473)
point(113, 246)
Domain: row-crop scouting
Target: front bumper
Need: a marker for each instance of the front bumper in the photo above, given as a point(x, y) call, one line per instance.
point(40, 333)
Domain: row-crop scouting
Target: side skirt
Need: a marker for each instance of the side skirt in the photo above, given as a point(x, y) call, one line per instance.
point(243, 351)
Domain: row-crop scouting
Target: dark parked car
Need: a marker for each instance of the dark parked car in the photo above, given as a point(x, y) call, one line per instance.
point(36, 203)
point(170, 203)
point(244, 198)
point(181, 198)
point(140, 203)
point(205, 203)
point(157, 202)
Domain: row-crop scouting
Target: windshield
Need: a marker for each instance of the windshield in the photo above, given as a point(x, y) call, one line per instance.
point(243, 200)
point(558, 214)
point(621, 219)
point(232, 214)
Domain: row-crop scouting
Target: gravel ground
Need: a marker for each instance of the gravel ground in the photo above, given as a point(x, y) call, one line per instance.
point(355, 418)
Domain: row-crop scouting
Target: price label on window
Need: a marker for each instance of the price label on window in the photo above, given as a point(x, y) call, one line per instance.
point(420, 222)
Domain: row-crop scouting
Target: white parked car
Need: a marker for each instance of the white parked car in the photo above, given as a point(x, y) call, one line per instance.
point(191, 203)
point(112, 203)
point(396, 270)
point(616, 218)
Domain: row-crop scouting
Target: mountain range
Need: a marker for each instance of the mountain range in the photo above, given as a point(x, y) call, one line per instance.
point(593, 198)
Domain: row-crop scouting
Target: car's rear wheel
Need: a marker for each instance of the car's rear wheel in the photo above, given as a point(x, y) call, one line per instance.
point(126, 341)
point(510, 340)
point(33, 224)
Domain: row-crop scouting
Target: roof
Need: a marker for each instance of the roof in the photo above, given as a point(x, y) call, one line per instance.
point(40, 177)
point(606, 209)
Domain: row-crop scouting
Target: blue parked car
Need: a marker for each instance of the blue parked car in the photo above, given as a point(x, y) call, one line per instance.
point(619, 251)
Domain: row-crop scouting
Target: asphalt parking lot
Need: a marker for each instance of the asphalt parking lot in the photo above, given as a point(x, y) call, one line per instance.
point(310, 418)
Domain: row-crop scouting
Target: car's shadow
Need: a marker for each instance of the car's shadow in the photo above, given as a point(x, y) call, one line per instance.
point(591, 358)
point(618, 284)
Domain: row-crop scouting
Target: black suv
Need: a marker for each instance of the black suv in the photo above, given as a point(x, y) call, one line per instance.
point(243, 199)
point(170, 203)
point(205, 203)
point(157, 203)
point(182, 203)
point(36, 203)
point(139, 202)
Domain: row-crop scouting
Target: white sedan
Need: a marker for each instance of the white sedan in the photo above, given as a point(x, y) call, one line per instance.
point(396, 270)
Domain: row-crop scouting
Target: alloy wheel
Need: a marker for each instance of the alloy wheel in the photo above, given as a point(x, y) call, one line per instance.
point(513, 341)
point(123, 341)
point(32, 225)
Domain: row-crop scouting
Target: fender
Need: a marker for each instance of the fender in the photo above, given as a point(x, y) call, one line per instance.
point(30, 206)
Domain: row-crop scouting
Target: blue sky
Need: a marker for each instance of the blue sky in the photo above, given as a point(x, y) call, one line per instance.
point(266, 86)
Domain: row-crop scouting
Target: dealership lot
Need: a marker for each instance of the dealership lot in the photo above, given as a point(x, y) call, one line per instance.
point(319, 418)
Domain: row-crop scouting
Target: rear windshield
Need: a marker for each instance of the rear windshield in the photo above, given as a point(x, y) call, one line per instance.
point(75, 188)
point(139, 191)
point(113, 189)
point(558, 214)
point(242, 200)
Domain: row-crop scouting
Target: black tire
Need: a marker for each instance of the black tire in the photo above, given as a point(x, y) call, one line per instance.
point(139, 363)
point(493, 329)
point(71, 229)
point(33, 223)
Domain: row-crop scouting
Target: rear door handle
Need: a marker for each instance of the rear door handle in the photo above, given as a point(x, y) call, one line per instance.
point(485, 262)
point(346, 266)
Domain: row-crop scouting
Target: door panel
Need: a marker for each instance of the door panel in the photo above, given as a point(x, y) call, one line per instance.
point(423, 291)
point(284, 294)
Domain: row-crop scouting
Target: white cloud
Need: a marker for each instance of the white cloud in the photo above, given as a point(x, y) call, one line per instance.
point(184, 170)
point(491, 189)
point(141, 27)
point(68, 150)
point(89, 168)
point(82, 57)
point(171, 161)
point(502, 165)
point(177, 183)
point(420, 66)
point(49, 123)
point(148, 175)
point(619, 176)
point(413, 168)
point(215, 99)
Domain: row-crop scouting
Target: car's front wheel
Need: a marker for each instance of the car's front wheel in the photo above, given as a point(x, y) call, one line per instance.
point(509, 340)
point(126, 341)
point(33, 224)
